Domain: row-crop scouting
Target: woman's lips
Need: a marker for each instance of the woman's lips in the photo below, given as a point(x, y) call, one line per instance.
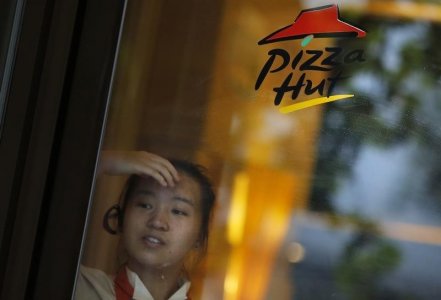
point(152, 241)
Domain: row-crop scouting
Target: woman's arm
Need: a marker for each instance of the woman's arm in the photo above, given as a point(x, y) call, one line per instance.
point(140, 163)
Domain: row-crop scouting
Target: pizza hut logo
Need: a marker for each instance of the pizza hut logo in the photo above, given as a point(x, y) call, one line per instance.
point(320, 22)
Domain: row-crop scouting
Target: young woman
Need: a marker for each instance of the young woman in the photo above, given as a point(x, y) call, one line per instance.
point(163, 219)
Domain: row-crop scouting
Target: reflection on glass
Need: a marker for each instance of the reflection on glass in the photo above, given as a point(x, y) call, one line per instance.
point(377, 169)
point(6, 19)
point(9, 20)
point(337, 201)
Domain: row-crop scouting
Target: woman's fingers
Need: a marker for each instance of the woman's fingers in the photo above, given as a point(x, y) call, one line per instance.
point(141, 163)
point(158, 168)
point(164, 167)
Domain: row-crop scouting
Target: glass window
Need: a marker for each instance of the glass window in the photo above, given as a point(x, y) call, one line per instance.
point(319, 126)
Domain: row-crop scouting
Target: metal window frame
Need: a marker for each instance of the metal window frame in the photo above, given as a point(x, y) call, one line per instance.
point(52, 130)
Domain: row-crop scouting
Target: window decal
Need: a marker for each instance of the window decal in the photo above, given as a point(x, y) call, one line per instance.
point(320, 22)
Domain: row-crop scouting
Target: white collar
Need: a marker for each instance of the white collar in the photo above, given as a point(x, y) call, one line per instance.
point(140, 291)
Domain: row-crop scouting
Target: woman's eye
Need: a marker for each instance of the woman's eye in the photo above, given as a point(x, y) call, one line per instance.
point(145, 205)
point(179, 212)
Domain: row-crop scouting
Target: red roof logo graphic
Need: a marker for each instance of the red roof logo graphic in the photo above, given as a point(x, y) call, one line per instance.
point(322, 22)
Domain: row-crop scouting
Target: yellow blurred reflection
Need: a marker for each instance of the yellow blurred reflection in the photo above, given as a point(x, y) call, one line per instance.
point(268, 158)
point(270, 200)
point(238, 209)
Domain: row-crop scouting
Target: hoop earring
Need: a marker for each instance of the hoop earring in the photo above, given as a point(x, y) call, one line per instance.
point(112, 212)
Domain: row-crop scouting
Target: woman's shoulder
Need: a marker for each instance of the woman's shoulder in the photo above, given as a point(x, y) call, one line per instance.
point(94, 284)
point(94, 274)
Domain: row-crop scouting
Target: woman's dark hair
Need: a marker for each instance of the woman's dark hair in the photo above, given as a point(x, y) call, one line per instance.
point(194, 171)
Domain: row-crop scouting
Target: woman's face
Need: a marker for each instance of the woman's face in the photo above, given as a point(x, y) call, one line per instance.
point(162, 224)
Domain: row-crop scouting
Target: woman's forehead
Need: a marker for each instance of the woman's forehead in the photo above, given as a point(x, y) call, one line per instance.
point(186, 187)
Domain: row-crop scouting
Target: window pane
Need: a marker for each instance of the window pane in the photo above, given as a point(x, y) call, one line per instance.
point(320, 128)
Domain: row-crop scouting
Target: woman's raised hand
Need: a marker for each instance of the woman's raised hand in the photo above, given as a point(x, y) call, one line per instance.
point(138, 162)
